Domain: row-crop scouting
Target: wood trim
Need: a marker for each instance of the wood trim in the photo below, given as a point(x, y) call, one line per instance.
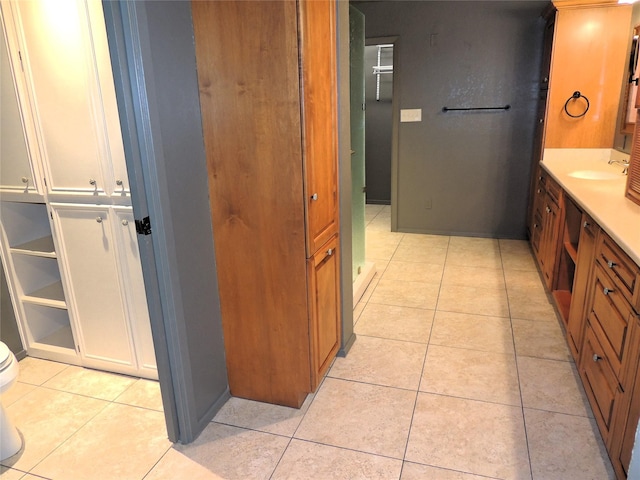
point(559, 4)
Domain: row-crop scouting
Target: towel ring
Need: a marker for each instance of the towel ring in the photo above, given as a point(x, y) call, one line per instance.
point(576, 95)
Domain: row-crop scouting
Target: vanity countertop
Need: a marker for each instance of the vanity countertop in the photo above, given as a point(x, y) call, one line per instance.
point(603, 197)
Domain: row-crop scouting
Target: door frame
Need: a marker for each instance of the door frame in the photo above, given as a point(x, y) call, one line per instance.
point(395, 121)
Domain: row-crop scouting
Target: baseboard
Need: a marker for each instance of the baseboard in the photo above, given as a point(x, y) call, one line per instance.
point(362, 281)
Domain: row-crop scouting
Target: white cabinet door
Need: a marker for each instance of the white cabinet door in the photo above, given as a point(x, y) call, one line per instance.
point(88, 251)
point(16, 168)
point(66, 62)
point(135, 293)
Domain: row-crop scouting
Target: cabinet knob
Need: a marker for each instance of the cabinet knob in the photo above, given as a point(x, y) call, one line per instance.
point(92, 182)
point(24, 180)
point(539, 190)
point(125, 222)
point(99, 219)
point(330, 252)
point(611, 264)
point(586, 224)
point(535, 225)
point(607, 291)
point(596, 357)
point(548, 209)
point(314, 196)
point(119, 182)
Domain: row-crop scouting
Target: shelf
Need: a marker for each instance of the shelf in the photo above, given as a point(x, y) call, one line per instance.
point(572, 250)
point(563, 302)
point(49, 296)
point(40, 247)
point(61, 338)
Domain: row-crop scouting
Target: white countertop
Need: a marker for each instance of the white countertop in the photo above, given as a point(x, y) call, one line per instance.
point(603, 200)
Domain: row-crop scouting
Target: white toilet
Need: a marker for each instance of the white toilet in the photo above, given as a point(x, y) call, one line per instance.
point(10, 440)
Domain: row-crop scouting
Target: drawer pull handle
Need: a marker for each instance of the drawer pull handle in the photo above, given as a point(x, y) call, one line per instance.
point(611, 264)
point(596, 357)
point(607, 291)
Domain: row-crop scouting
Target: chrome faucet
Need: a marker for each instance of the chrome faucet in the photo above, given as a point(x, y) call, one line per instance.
point(624, 163)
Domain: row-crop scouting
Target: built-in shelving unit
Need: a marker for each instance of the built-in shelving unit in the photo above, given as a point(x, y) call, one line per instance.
point(570, 235)
point(37, 289)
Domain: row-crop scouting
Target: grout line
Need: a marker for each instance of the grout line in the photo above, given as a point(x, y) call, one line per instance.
point(515, 354)
point(424, 362)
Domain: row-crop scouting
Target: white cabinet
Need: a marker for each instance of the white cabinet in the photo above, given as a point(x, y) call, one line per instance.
point(72, 258)
point(65, 62)
point(101, 270)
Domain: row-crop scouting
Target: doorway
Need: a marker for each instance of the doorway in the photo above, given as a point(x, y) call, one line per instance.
point(378, 58)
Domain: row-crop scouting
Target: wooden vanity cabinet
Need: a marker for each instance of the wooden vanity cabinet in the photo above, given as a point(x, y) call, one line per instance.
point(611, 349)
point(267, 77)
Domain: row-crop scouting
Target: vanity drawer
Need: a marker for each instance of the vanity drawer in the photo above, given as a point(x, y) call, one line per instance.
point(552, 188)
point(600, 382)
point(620, 268)
point(609, 319)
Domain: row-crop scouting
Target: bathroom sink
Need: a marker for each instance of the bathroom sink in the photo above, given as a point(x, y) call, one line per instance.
point(594, 175)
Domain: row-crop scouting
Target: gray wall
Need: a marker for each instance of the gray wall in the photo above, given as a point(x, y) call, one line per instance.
point(463, 173)
point(9, 333)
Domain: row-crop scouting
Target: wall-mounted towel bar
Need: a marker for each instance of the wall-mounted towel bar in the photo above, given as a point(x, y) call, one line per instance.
point(447, 109)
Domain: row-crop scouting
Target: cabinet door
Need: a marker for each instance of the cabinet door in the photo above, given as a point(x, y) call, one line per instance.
point(317, 44)
point(600, 382)
point(549, 246)
point(134, 291)
point(324, 302)
point(90, 270)
point(581, 299)
point(66, 63)
point(16, 170)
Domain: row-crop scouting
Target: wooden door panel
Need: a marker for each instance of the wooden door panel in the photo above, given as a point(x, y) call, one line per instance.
point(318, 57)
point(324, 302)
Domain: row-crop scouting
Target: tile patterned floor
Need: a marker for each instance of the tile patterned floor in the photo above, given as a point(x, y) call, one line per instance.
point(460, 372)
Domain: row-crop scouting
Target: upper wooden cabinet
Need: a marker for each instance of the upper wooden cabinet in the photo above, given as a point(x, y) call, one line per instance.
point(62, 51)
point(589, 56)
point(267, 79)
point(318, 60)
